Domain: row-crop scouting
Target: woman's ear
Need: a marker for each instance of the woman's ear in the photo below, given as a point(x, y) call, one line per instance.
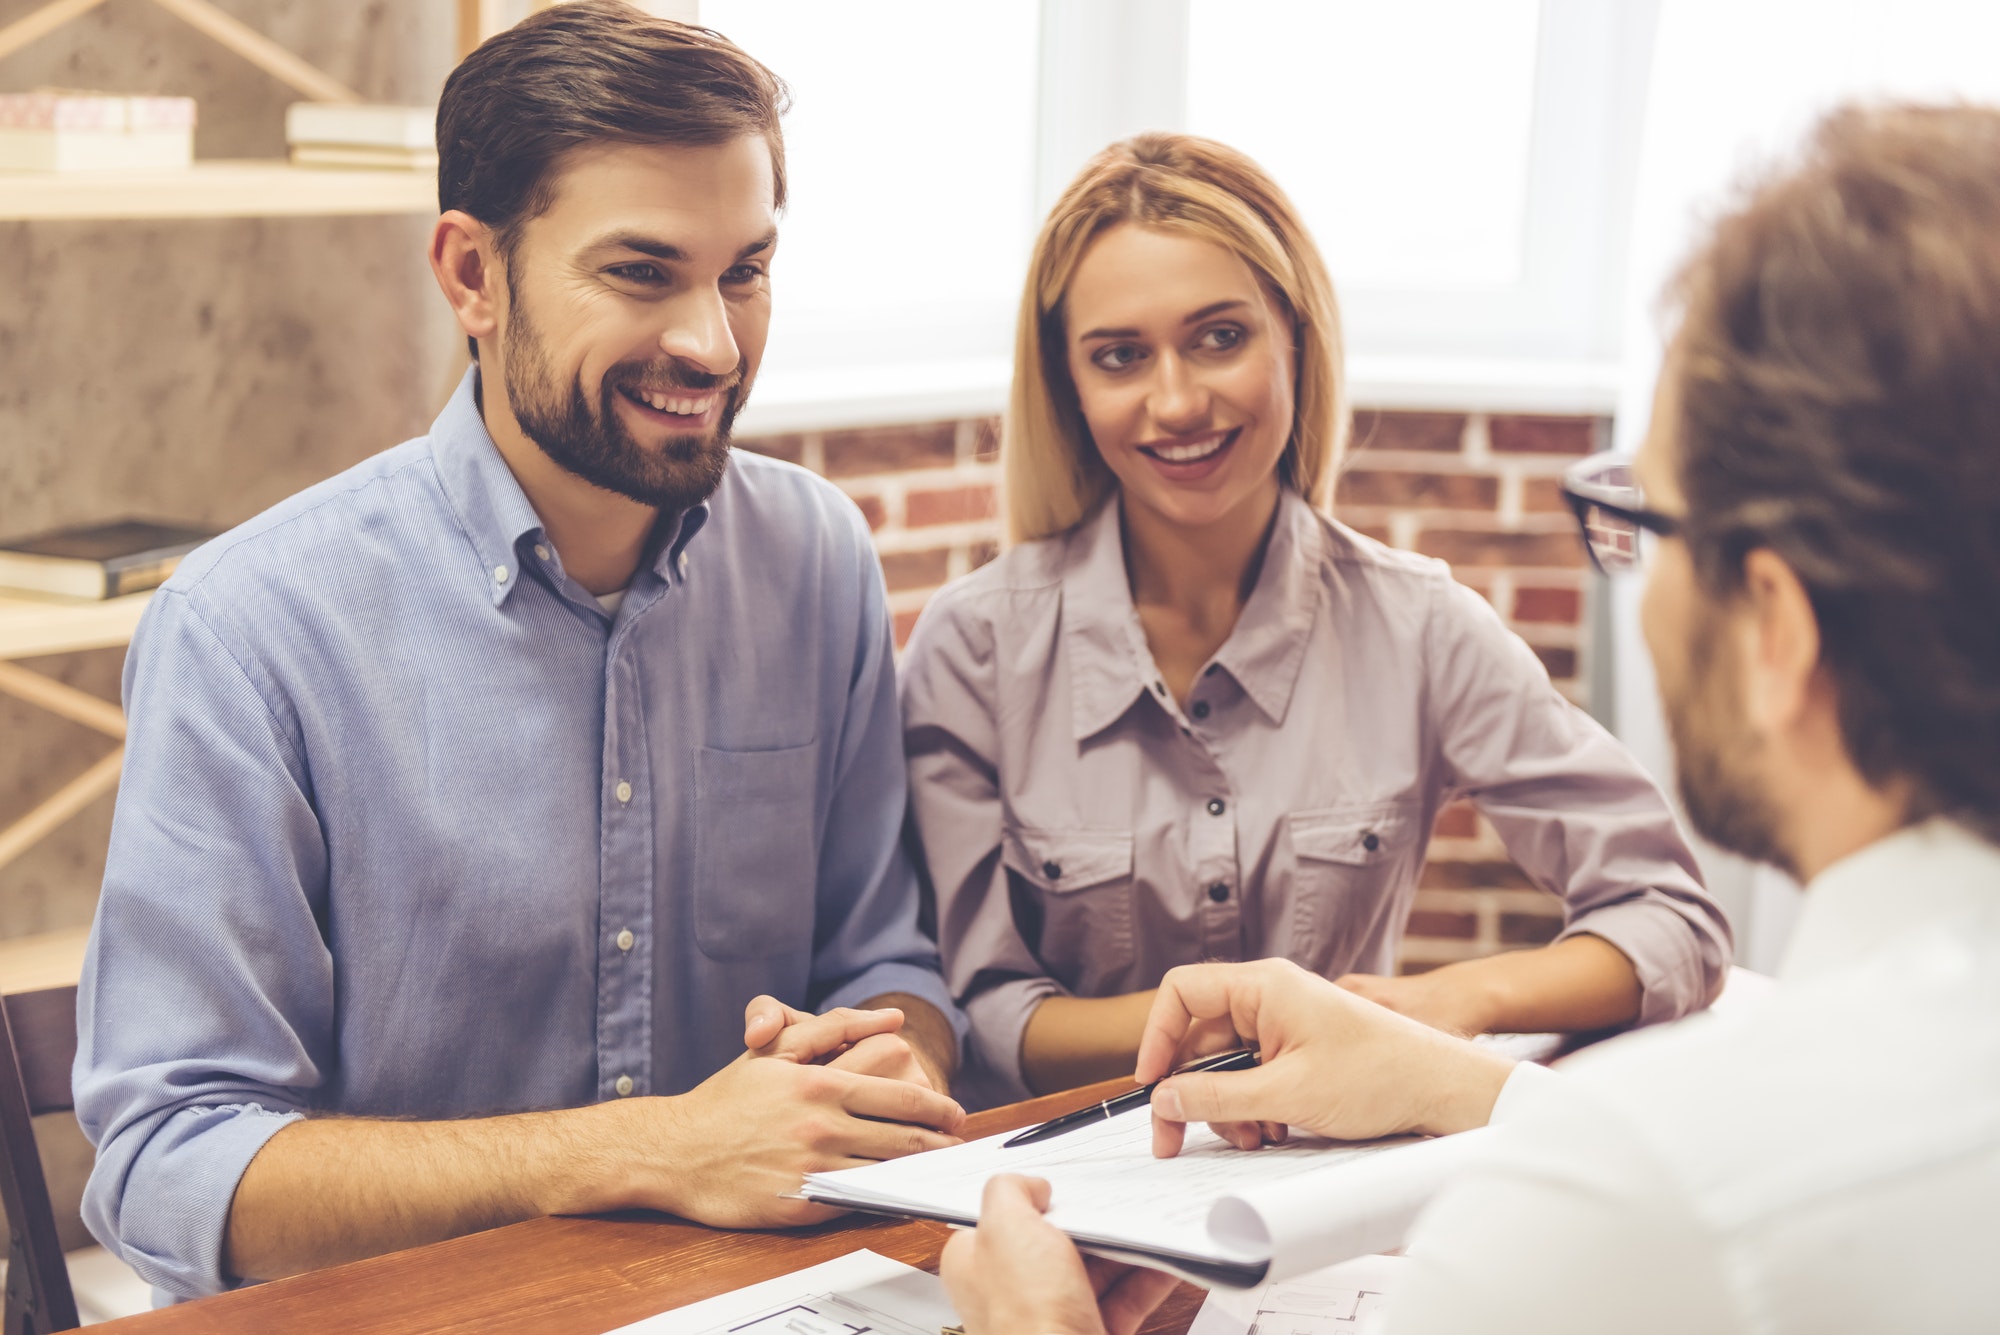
point(466, 263)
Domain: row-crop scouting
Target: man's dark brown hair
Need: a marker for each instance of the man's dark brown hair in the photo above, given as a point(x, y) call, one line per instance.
point(590, 72)
point(1839, 363)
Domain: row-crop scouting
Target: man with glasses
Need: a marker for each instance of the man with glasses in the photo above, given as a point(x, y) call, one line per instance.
point(1818, 509)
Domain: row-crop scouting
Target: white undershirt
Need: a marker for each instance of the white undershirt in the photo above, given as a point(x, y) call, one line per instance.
point(1827, 1161)
point(610, 601)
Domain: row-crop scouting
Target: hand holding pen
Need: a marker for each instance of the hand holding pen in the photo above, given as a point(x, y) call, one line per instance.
point(1238, 1059)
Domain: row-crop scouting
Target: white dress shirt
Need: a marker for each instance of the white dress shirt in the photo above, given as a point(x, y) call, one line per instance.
point(1827, 1161)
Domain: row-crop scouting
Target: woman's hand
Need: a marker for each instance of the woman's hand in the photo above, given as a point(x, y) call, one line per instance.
point(1017, 1274)
point(1439, 998)
point(1331, 1062)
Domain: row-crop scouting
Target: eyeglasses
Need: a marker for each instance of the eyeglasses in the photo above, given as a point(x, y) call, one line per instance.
point(1610, 509)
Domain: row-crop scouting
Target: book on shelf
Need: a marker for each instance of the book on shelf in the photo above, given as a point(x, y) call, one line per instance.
point(361, 125)
point(364, 155)
point(61, 130)
point(98, 560)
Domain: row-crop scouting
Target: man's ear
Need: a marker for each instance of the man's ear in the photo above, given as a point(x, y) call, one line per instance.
point(1780, 644)
point(466, 261)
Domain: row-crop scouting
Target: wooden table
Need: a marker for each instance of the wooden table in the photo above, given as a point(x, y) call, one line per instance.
point(553, 1276)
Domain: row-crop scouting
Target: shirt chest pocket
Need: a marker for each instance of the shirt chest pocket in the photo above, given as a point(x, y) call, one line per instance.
point(756, 861)
point(1072, 892)
point(1351, 867)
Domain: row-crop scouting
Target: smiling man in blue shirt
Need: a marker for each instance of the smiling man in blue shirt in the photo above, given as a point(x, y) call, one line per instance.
point(473, 793)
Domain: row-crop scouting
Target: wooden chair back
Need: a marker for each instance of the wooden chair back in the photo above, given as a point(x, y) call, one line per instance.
point(37, 1050)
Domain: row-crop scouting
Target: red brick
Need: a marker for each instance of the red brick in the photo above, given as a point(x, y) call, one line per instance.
point(873, 510)
point(951, 505)
point(905, 623)
point(790, 448)
point(1379, 532)
point(1562, 607)
point(1443, 432)
point(891, 449)
point(1450, 874)
point(1466, 548)
point(1542, 435)
point(1560, 662)
point(1471, 580)
point(917, 570)
point(1543, 496)
point(1418, 491)
point(986, 444)
point(979, 553)
point(1460, 820)
point(1529, 929)
point(1433, 923)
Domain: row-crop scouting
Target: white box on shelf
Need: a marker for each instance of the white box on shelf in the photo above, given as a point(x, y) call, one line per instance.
point(58, 131)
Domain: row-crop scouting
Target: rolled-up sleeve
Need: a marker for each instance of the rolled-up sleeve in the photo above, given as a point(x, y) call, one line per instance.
point(1575, 810)
point(951, 743)
point(205, 1012)
point(868, 942)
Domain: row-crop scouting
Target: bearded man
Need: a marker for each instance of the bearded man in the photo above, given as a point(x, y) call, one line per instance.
point(472, 794)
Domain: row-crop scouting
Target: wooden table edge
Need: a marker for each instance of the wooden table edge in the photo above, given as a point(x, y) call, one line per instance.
point(586, 1274)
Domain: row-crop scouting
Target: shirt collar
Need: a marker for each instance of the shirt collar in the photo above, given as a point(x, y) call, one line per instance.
point(1110, 665)
point(495, 514)
point(1921, 875)
point(1268, 646)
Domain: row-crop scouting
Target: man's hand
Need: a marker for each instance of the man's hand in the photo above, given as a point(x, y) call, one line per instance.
point(882, 1040)
point(1330, 1061)
point(731, 1150)
point(1017, 1274)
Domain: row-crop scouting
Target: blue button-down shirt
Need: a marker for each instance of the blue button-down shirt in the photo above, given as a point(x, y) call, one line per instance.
point(411, 827)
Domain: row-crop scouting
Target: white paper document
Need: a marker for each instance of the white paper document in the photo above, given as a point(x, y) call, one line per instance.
point(1346, 1299)
point(859, 1292)
point(1217, 1214)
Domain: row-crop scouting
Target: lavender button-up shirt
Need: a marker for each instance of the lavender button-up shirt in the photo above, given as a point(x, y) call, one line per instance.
point(1084, 833)
point(411, 827)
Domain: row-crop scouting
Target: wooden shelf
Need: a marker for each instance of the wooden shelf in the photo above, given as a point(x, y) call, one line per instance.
point(32, 626)
point(216, 189)
point(53, 959)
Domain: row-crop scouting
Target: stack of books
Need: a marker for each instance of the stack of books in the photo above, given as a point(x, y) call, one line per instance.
point(343, 134)
point(98, 560)
point(58, 130)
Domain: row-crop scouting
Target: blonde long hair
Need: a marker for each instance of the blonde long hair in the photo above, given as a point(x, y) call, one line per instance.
point(1052, 474)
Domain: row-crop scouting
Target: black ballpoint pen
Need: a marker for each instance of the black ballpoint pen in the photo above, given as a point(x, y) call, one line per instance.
point(1237, 1060)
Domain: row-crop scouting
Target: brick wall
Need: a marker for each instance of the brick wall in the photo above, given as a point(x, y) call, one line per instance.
point(1477, 490)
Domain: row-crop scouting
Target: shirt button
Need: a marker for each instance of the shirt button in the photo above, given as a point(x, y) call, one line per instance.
point(1218, 892)
point(624, 791)
point(1200, 709)
point(1052, 870)
point(684, 563)
point(625, 939)
point(1160, 689)
point(541, 552)
point(499, 574)
point(1216, 806)
point(1370, 842)
point(623, 1085)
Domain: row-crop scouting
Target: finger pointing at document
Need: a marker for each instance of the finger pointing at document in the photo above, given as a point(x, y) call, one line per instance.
point(1332, 1062)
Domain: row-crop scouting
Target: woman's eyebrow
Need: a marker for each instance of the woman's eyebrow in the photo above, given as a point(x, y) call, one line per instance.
point(1213, 308)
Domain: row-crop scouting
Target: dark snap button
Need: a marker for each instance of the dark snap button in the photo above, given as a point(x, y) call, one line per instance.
point(1218, 892)
point(1200, 709)
point(1216, 806)
point(1053, 870)
point(1160, 689)
point(1370, 842)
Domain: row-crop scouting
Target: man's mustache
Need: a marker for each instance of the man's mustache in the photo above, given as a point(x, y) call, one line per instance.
point(675, 377)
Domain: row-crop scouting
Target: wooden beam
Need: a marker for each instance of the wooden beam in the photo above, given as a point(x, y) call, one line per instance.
point(41, 22)
point(65, 802)
point(260, 50)
point(74, 705)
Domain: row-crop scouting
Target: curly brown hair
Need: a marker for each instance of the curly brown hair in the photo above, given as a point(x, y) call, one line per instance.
point(1839, 375)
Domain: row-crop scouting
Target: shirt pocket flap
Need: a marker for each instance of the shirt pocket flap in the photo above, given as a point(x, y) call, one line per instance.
point(1058, 861)
point(1357, 836)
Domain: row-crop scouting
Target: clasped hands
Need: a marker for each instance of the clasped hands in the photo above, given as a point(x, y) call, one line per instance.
point(1331, 1062)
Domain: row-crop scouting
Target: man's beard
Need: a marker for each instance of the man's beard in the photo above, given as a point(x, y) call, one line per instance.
point(1715, 757)
point(591, 441)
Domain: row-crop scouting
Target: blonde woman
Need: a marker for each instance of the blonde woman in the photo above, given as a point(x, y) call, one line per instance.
point(1188, 715)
